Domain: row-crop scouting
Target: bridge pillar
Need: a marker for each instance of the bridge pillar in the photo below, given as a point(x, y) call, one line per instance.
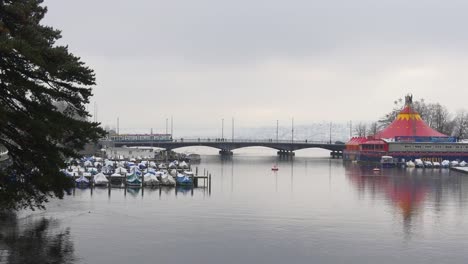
point(225, 152)
point(336, 154)
point(286, 153)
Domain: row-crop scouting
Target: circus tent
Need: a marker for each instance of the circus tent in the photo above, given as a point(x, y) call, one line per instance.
point(408, 123)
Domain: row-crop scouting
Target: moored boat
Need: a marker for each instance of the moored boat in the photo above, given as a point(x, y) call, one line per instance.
point(419, 163)
point(387, 162)
point(427, 164)
point(167, 179)
point(410, 164)
point(150, 179)
point(183, 180)
point(445, 164)
point(82, 181)
point(133, 180)
point(100, 179)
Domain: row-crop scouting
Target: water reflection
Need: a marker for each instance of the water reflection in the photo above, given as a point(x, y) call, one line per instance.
point(30, 240)
point(409, 191)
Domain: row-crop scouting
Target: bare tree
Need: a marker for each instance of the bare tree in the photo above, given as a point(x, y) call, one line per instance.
point(373, 129)
point(439, 118)
point(360, 129)
point(461, 125)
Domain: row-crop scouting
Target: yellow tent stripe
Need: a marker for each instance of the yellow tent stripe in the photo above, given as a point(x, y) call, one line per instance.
point(408, 117)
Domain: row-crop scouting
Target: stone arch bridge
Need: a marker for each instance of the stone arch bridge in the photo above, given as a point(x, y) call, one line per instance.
point(284, 147)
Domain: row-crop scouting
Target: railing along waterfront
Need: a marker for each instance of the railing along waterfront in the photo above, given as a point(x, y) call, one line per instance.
point(221, 140)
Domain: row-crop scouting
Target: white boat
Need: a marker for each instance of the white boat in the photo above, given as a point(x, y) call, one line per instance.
point(183, 165)
point(92, 170)
point(116, 175)
point(167, 179)
point(162, 166)
point(172, 165)
point(453, 163)
point(410, 164)
point(150, 179)
point(82, 180)
point(445, 164)
point(188, 173)
point(419, 163)
point(387, 162)
point(109, 163)
point(100, 179)
point(120, 170)
point(106, 170)
point(462, 164)
point(436, 164)
point(151, 170)
point(427, 164)
point(173, 172)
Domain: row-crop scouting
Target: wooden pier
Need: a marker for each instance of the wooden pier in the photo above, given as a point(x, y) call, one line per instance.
point(121, 182)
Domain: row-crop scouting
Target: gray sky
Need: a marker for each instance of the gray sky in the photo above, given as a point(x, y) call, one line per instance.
point(260, 61)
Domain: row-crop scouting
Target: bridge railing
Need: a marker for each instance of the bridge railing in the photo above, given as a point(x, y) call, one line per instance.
point(220, 140)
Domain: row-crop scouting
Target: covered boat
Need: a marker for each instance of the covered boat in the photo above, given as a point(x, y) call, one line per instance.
point(100, 179)
point(133, 180)
point(183, 180)
point(167, 179)
point(445, 164)
point(121, 171)
point(150, 179)
point(183, 165)
point(82, 180)
point(410, 164)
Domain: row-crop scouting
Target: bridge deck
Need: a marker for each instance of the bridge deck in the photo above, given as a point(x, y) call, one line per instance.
point(229, 145)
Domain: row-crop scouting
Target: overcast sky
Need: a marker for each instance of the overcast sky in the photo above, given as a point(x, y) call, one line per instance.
point(259, 61)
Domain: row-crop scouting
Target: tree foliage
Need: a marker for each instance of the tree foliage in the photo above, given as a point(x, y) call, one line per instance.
point(37, 75)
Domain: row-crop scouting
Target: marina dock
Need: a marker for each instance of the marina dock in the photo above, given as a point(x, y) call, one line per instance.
point(460, 169)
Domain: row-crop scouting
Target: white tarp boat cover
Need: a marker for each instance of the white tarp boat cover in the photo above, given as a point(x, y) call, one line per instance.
point(183, 165)
point(150, 178)
point(100, 178)
point(121, 170)
point(167, 179)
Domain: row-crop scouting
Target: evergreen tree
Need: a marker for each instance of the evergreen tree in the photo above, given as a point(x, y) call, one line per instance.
point(37, 76)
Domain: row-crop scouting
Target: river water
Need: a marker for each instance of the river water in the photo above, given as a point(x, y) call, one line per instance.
point(313, 210)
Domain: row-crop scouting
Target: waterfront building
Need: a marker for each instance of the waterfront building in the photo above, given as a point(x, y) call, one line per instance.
point(408, 137)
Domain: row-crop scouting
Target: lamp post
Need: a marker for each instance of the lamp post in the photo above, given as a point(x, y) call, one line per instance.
point(292, 130)
point(277, 126)
point(330, 132)
point(233, 129)
point(222, 129)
